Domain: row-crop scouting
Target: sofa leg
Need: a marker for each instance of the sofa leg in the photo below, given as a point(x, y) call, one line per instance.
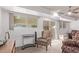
point(62, 51)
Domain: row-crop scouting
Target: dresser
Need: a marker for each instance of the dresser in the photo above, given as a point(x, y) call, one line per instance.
point(9, 47)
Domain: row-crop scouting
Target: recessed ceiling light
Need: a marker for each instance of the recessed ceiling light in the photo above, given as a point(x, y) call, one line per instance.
point(69, 13)
point(55, 14)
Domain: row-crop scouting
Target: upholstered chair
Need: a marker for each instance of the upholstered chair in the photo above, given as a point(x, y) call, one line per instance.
point(45, 40)
point(71, 45)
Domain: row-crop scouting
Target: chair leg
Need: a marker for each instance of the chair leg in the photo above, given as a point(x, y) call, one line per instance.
point(37, 45)
point(46, 48)
point(50, 44)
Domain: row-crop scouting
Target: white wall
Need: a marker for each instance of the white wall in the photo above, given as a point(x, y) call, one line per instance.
point(4, 22)
point(0, 21)
point(74, 25)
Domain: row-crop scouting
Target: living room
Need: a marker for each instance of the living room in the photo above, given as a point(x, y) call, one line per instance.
point(24, 23)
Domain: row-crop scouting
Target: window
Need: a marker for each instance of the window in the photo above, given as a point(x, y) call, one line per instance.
point(25, 22)
point(63, 24)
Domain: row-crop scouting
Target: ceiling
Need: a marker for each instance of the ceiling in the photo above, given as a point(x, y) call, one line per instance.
point(47, 9)
point(37, 8)
point(50, 9)
point(59, 7)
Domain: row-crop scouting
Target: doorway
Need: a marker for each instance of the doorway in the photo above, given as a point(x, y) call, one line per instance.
point(50, 25)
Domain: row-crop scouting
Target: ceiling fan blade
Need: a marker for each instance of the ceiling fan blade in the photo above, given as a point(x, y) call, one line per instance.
point(75, 9)
point(75, 12)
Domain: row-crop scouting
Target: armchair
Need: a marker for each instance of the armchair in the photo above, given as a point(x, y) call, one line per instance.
point(71, 45)
point(45, 40)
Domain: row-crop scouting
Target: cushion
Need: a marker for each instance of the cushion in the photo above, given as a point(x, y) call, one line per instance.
point(43, 40)
point(69, 49)
point(46, 34)
point(69, 42)
point(77, 35)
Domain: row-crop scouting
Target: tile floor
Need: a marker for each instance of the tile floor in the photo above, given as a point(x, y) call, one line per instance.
point(55, 48)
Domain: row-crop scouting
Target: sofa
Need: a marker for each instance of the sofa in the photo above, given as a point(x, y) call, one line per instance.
point(71, 45)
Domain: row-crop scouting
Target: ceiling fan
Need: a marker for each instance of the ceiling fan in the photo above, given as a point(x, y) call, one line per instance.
point(70, 13)
point(74, 11)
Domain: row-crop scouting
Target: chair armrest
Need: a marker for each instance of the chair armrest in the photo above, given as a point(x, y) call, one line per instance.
point(41, 38)
point(69, 35)
point(48, 39)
